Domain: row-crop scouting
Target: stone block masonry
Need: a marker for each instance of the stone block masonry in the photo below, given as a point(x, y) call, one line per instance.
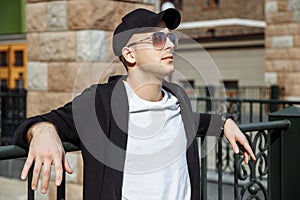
point(283, 44)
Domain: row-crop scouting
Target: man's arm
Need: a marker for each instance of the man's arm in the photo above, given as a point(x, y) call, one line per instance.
point(42, 137)
point(45, 149)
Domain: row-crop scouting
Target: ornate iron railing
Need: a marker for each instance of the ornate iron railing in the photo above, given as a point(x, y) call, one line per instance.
point(243, 111)
point(250, 181)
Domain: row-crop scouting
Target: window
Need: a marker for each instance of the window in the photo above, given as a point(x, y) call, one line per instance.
point(3, 85)
point(18, 58)
point(13, 61)
point(208, 4)
point(231, 87)
point(3, 59)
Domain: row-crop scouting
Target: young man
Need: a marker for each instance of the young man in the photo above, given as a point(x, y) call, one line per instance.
point(137, 132)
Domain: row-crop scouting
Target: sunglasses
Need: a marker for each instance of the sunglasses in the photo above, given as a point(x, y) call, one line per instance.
point(158, 40)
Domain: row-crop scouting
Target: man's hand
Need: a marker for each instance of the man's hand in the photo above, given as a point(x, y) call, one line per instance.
point(234, 135)
point(45, 149)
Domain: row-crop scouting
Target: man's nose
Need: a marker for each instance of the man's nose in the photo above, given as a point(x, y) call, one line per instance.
point(169, 44)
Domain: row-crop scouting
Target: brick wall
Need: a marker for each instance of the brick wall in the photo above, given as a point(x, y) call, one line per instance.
point(282, 64)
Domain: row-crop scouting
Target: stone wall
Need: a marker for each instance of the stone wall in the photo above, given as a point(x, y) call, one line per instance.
point(282, 64)
point(69, 48)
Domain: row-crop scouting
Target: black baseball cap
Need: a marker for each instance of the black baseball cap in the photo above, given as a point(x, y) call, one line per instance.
point(142, 18)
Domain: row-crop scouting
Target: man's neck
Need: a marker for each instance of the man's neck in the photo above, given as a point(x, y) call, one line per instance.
point(148, 89)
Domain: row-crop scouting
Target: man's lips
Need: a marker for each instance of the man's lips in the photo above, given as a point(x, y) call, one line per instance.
point(168, 57)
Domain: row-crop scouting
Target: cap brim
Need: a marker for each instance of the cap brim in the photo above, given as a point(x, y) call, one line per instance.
point(170, 16)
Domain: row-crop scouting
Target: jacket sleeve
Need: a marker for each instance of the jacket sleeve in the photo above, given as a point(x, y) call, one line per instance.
point(62, 118)
point(208, 124)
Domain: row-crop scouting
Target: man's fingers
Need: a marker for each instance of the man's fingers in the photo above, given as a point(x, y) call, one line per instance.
point(46, 177)
point(249, 151)
point(246, 159)
point(36, 174)
point(58, 171)
point(67, 166)
point(27, 167)
point(246, 148)
point(234, 145)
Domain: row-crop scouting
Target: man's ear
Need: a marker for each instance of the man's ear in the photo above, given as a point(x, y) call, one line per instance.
point(128, 55)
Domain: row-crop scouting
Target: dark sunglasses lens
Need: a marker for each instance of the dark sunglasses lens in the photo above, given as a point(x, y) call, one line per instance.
point(159, 40)
point(173, 38)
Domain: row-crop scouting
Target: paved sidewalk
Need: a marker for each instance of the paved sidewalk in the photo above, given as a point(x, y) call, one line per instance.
point(15, 189)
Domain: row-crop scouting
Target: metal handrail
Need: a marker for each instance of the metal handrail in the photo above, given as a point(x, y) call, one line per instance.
point(14, 151)
point(281, 124)
point(245, 100)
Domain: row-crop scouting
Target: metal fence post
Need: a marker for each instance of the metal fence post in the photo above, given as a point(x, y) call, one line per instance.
point(274, 94)
point(285, 159)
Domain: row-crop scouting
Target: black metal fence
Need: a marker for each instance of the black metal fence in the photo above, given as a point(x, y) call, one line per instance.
point(242, 110)
point(245, 92)
point(12, 113)
point(250, 181)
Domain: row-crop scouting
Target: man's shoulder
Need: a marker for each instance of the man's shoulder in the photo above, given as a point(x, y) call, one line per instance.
point(173, 88)
point(111, 83)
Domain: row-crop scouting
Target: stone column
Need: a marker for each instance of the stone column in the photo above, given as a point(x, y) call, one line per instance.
point(69, 48)
point(282, 64)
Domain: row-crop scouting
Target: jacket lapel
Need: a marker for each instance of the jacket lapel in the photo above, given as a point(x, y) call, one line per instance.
point(118, 131)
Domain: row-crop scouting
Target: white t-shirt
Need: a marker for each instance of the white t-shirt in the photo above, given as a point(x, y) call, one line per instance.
point(155, 164)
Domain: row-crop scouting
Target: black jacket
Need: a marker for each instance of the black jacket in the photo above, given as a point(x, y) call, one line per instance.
point(107, 105)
